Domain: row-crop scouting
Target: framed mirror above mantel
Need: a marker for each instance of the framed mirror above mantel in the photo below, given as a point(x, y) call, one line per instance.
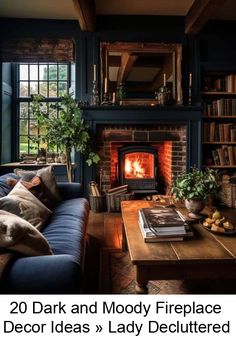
point(143, 68)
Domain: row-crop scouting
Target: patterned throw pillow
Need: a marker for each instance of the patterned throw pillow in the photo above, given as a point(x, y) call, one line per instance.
point(23, 203)
point(48, 178)
point(37, 188)
point(19, 235)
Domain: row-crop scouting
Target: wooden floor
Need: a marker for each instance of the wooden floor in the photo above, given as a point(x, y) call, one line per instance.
point(104, 233)
point(106, 227)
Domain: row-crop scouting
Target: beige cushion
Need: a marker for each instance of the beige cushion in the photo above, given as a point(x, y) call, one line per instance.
point(48, 178)
point(19, 235)
point(36, 187)
point(23, 203)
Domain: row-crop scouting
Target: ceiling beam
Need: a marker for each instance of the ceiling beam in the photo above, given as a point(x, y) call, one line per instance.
point(86, 14)
point(127, 62)
point(199, 14)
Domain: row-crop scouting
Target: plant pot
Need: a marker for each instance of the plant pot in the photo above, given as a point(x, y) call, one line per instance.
point(195, 206)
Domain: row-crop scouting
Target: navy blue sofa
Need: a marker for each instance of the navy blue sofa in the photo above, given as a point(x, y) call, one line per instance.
point(66, 233)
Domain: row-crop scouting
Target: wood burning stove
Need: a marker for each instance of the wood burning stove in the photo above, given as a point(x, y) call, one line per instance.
point(137, 166)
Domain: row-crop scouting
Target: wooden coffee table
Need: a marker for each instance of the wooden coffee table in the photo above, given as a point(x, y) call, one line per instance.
point(204, 256)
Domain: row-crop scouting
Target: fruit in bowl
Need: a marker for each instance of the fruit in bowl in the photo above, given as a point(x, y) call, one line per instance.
point(217, 223)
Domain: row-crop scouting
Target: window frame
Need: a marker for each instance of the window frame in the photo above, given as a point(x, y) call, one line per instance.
point(27, 99)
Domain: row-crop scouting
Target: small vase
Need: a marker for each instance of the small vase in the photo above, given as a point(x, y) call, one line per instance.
point(195, 206)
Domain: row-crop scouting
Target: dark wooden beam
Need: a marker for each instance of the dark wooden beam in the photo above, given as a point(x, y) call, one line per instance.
point(127, 62)
point(199, 14)
point(86, 13)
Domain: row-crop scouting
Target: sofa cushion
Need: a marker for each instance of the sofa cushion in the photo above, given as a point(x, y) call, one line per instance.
point(37, 188)
point(23, 203)
point(47, 176)
point(19, 235)
point(66, 230)
point(4, 187)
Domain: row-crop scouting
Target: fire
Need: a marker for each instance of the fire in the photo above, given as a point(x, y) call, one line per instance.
point(133, 168)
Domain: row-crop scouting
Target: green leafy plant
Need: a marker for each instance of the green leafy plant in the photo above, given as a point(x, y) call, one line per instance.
point(197, 184)
point(67, 130)
point(121, 92)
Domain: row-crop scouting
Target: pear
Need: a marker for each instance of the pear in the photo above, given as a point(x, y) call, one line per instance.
point(216, 215)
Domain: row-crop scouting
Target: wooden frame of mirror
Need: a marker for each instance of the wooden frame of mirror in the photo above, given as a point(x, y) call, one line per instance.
point(129, 52)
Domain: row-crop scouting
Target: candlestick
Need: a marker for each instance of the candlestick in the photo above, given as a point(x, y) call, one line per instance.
point(95, 95)
point(113, 98)
point(164, 79)
point(190, 79)
point(94, 73)
point(105, 87)
point(190, 89)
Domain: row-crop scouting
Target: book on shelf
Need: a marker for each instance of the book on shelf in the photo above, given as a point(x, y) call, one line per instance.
point(221, 154)
point(216, 158)
point(231, 156)
point(216, 83)
point(227, 127)
point(233, 134)
point(212, 131)
point(221, 132)
point(225, 155)
point(162, 220)
point(220, 107)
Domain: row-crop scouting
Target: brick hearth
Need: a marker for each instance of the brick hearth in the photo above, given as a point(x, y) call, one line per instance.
point(168, 140)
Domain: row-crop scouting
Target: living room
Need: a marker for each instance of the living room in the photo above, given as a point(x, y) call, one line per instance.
point(154, 79)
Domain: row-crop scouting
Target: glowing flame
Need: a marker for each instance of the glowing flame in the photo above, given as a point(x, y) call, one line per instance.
point(134, 168)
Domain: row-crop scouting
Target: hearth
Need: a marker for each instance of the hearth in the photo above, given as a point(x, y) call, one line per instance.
point(137, 167)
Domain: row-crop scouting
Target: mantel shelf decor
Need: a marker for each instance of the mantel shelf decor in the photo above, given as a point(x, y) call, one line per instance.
point(95, 94)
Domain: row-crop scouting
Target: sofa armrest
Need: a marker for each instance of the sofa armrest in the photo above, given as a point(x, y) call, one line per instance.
point(56, 274)
point(70, 190)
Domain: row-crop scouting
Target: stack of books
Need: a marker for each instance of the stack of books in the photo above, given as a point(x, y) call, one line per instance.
point(162, 224)
point(111, 197)
point(94, 190)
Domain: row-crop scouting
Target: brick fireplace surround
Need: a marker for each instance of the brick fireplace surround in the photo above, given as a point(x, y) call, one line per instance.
point(175, 132)
point(168, 140)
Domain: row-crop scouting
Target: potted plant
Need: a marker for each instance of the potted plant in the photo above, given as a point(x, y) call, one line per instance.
point(195, 188)
point(67, 130)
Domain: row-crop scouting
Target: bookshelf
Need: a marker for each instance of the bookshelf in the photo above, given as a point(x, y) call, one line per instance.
point(219, 119)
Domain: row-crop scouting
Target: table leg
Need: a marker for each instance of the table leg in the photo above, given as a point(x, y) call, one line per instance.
point(141, 280)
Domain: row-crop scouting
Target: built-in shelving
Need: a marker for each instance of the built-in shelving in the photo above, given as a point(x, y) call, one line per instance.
point(219, 118)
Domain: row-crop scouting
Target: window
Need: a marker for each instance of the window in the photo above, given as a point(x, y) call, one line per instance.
point(48, 79)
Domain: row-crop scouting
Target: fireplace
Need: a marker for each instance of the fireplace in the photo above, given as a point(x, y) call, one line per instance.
point(173, 132)
point(137, 166)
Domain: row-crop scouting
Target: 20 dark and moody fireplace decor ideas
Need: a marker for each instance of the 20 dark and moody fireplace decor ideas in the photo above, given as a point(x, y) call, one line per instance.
point(172, 133)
